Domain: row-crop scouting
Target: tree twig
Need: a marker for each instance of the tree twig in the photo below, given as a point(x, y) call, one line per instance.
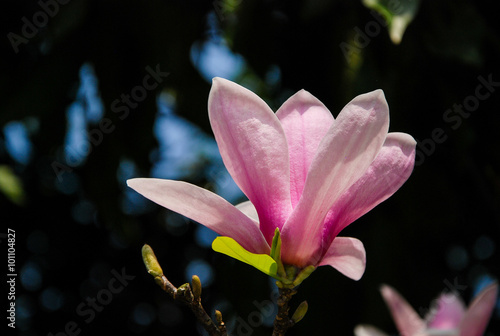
point(185, 295)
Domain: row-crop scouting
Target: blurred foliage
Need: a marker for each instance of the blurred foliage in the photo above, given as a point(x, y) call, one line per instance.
point(10, 185)
point(397, 15)
point(77, 224)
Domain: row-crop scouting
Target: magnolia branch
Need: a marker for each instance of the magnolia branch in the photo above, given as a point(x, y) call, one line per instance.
point(282, 322)
point(184, 294)
point(190, 295)
point(192, 298)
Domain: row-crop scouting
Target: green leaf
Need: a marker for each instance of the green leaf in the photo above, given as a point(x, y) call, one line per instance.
point(397, 13)
point(230, 247)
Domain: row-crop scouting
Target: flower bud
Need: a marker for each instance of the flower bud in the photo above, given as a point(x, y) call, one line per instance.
point(303, 274)
point(300, 312)
point(218, 317)
point(196, 284)
point(150, 261)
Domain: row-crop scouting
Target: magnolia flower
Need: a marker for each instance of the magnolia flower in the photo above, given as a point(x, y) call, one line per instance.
point(448, 316)
point(304, 172)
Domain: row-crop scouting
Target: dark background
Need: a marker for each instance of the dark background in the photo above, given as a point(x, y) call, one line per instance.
point(76, 222)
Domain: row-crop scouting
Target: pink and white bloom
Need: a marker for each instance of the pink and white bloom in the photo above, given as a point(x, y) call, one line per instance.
point(303, 171)
point(448, 317)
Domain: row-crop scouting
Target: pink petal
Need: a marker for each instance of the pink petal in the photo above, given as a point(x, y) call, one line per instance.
point(447, 313)
point(387, 173)
point(343, 156)
point(367, 330)
point(407, 320)
point(477, 316)
point(305, 120)
point(346, 255)
point(204, 207)
point(254, 149)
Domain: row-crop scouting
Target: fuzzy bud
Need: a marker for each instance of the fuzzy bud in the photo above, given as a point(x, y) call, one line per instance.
point(300, 312)
point(150, 261)
point(196, 284)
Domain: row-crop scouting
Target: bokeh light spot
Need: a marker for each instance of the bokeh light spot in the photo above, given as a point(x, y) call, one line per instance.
point(31, 276)
point(169, 314)
point(202, 269)
point(484, 247)
point(25, 310)
point(176, 224)
point(17, 141)
point(457, 258)
point(83, 212)
point(204, 236)
point(144, 314)
point(51, 299)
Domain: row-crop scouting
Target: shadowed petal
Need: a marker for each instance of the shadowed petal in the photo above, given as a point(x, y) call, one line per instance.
point(253, 147)
point(204, 207)
point(305, 120)
point(387, 173)
point(366, 330)
point(477, 316)
point(343, 156)
point(407, 320)
point(346, 255)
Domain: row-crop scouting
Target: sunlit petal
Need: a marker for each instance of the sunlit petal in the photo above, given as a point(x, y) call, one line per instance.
point(387, 173)
point(253, 147)
point(305, 120)
point(346, 255)
point(343, 156)
point(204, 207)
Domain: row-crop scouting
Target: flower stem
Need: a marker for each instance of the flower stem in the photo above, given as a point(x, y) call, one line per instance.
point(282, 322)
